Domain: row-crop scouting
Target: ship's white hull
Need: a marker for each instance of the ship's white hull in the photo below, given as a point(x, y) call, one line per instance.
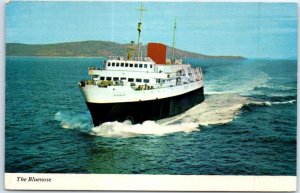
point(122, 94)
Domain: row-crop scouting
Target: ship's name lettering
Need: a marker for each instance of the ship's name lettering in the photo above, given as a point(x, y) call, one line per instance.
point(33, 179)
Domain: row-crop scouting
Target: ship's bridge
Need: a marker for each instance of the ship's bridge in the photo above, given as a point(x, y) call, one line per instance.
point(141, 64)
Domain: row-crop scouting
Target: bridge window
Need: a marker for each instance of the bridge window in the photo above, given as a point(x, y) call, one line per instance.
point(140, 65)
point(108, 64)
point(150, 65)
point(102, 78)
point(116, 78)
point(108, 78)
point(117, 64)
point(123, 78)
point(135, 65)
point(113, 64)
point(138, 80)
point(122, 64)
point(145, 65)
point(130, 79)
point(146, 81)
point(126, 64)
point(131, 65)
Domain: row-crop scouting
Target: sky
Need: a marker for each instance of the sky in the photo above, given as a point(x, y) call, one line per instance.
point(252, 30)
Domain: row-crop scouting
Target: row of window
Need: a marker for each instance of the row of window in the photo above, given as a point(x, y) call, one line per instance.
point(129, 65)
point(124, 79)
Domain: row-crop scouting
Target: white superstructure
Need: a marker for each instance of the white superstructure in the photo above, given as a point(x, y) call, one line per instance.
point(139, 79)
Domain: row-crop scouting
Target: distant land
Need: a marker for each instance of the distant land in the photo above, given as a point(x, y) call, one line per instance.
point(91, 49)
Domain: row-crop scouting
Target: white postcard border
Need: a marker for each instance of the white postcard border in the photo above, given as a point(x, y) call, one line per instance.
point(115, 182)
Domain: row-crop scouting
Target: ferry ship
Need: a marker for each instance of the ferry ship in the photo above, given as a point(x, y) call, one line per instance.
point(142, 88)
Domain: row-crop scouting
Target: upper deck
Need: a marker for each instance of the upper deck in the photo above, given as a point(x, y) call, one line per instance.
point(119, 63)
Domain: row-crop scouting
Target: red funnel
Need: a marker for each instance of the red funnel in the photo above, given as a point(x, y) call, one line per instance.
point(157, 52)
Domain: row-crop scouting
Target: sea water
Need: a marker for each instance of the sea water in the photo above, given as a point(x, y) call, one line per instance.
point(245, 126)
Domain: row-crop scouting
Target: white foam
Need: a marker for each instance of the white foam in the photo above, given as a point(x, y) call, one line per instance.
point(268, 103)
point(73, 121)
point(276, 87)
point(126, 129)
point(285, 102)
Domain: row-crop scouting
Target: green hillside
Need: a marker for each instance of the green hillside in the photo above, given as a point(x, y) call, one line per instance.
point(90, 49)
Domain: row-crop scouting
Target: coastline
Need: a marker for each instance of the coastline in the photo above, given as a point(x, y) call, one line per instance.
point(86, 49)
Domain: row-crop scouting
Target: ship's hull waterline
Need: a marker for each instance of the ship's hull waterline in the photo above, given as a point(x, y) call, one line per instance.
point(138, 112)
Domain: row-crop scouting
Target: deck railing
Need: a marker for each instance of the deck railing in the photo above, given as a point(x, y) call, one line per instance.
point(95, 68)
point(144, 59)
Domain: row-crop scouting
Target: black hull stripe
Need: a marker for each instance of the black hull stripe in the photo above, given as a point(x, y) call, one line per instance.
point(138, 112)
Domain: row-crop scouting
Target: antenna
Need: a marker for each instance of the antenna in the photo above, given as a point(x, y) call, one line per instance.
point(173, 45)
point(141, 9)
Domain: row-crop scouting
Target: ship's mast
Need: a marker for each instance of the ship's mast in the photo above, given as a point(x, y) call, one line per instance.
point(141, 9)
point(173, 45)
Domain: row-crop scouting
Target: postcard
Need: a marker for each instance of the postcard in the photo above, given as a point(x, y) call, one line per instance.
point(151, 96)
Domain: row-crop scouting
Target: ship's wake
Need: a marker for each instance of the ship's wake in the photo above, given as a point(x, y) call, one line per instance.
point(216, 109)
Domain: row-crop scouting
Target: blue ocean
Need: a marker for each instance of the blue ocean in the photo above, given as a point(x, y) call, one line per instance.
point(246, 126)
